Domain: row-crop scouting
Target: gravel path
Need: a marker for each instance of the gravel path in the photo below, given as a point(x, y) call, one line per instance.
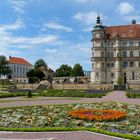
point(116, 96)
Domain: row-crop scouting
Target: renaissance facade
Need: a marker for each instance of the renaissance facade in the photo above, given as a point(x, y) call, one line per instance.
point(115, 54)
point(19, 68)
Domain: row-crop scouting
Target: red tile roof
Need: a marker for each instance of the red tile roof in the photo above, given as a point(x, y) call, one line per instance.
point(16, 60)
point(124, 31)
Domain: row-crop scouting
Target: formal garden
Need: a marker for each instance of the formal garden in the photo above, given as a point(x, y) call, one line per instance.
point(111, 118)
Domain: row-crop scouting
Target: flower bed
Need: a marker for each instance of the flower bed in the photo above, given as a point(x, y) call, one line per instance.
point(97, 115)
point(54, 116)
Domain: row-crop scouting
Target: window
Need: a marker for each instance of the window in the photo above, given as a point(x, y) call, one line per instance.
point(102, 54)
point(131, 43)
point(112, 54)
point(125, 44)
point(139, 53)
point(108, 54)
point(112, 74)
point(97, 74)
point(93, 65)
point(92, 54)
point(103, 65)
point(131, 64)
point(131, 53)
point(124, 54)
point(108, 44)
point(108, 64)
point(133, 76)
point(139, 43)
point(112, 65)
point(112, 44)
point(124, 64)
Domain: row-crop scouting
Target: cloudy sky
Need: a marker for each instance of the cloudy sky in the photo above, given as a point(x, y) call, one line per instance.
point(59, 31)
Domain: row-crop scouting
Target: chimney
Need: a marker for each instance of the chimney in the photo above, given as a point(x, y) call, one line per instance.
point(133, 21)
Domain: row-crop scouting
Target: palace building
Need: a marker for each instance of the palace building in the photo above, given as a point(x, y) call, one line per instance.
point(19, 68)
point(115, 54)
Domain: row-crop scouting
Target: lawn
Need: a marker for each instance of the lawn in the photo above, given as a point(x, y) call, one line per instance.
point(110, 117)
point(57, 93)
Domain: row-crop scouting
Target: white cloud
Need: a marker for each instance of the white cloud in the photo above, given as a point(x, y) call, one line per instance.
point(14, 26)
point(72, 53)
point(11, 44)
point(88, 18)
point(51, 50)
point(125, 8)
point(130, 18)
point(56, 26)
point(18, 5)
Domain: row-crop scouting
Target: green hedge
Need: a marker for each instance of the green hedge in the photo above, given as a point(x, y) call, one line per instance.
point(127, 136)
point(133, 93)
point(71, 93)
point(12, 94)
point(57, 93)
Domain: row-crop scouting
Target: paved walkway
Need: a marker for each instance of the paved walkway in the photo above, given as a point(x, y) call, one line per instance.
point(75, 135)
point(115, 96)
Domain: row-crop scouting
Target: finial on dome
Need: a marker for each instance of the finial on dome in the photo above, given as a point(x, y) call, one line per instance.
point(98, 21)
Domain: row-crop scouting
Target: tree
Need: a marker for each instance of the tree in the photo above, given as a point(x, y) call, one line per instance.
point(39, 74)
point(63, 71)
point(31, 73)
point(39, 63)
point(119, 81)
point(77, 70)
point(34, 75)
point(4, 66)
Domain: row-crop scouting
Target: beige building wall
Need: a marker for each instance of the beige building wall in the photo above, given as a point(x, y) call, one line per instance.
point(114, 58)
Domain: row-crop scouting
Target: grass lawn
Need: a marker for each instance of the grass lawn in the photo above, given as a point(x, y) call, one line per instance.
point(37, 99)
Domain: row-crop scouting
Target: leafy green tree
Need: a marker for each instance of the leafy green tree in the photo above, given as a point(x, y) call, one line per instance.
point(39, 74)
point(63, 71)
point(31, 73)
point(77, 70)
point(119, 81)
point(34, 75)
point(39, 63)
point(4, 67)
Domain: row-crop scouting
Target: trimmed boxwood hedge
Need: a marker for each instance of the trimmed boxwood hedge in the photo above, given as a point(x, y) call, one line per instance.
point(73, 93)
point(133, 93)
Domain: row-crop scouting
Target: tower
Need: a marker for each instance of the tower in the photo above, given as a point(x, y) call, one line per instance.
point(98, 74)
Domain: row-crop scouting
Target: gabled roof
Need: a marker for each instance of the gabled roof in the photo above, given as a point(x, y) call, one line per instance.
point(124, 31)
point(17, 60)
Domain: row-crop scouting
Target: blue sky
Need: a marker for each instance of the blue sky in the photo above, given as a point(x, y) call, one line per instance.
point(59, 31)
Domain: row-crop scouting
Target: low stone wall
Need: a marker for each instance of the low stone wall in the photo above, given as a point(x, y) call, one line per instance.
point(134, 86)
point(27, 86)
point(82, 86)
